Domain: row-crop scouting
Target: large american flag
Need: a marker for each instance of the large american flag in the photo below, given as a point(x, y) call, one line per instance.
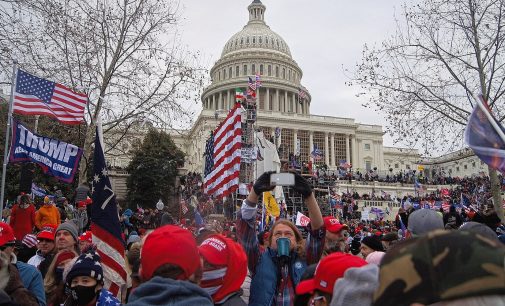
point(227, 143)
point(36, 96)
point(105, 225)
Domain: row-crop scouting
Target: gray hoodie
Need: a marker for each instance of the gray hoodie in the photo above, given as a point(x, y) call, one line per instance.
point(166, 291)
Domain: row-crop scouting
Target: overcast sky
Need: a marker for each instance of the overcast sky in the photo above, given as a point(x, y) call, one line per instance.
point(325, 37)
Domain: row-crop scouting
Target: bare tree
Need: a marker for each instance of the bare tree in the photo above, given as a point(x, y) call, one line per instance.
point(424, 75)
point(123, 53)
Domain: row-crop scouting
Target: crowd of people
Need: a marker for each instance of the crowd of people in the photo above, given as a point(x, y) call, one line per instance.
point(423, 257)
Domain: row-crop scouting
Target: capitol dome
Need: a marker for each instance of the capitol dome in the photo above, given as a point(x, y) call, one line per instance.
point(256, 35)
point(257, 50)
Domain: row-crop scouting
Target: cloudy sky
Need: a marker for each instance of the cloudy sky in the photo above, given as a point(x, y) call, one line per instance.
point(325, 37)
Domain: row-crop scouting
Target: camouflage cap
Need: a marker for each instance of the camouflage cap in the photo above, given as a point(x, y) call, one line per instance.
point(441, 266)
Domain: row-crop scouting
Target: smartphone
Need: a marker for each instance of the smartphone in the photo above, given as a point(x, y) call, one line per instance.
point(282, 179)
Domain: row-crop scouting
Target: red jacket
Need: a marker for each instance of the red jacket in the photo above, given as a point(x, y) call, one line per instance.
point(22, 220)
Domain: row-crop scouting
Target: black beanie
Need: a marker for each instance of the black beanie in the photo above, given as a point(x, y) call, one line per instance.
point(373, 242)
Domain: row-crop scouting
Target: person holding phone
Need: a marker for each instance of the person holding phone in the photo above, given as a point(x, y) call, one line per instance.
point(278, 268)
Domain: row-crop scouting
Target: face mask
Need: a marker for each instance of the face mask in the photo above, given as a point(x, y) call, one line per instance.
point(58, 274)
point(283, 246)
point(83, 295)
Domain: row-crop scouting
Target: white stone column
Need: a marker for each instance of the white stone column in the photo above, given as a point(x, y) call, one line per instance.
point(231, 99)
point(286, 105)
point(214, 102)
point(347, 151)
point(267, 100)
point(332, 146)
point(326, 149)
point(277, 101)
point(220, 101)
point(354, 151)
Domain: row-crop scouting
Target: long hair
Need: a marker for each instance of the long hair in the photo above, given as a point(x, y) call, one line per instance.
point(300, 243)
point(54, 289)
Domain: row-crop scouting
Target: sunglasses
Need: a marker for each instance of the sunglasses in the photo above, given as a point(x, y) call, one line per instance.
point(314, 299)
point(45, 240)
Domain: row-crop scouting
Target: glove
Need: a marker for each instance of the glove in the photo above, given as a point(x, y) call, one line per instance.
point(262, 184)
point(302, 186)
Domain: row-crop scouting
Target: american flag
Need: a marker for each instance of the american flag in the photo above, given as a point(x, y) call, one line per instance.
point(224, 177)
point(184, 207)
point(105, 226)
point(252, 85)
point(258, 80)
point(36, 96)
point(209, 155)
point(301, 94)
point(251, 92)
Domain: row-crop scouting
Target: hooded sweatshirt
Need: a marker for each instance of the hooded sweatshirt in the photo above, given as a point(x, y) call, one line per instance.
point(22, 220)
point(166, 291)
point(47, 214)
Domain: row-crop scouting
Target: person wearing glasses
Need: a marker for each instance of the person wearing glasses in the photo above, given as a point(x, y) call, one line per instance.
point(30, 276)
point(45, 246)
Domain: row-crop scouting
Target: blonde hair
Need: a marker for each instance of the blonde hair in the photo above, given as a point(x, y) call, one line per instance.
point(300, 245)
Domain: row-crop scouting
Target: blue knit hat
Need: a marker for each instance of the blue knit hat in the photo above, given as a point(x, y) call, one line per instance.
point(87, 264)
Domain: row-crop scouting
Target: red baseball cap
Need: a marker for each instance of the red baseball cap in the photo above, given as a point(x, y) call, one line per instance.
point(6, 234)
point(47, 232)
point(214, 250)
point(169, 244)
point(332, 225)
point(329, 269)
point(86, 236)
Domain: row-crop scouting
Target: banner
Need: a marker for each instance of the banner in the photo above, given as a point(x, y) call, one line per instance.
point(271, 205)
point(301, 219)
point(38, 191)
point(55, 157)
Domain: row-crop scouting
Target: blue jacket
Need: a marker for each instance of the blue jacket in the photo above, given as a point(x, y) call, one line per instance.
point(166, 291)
point(32, 280)
point(264, 282)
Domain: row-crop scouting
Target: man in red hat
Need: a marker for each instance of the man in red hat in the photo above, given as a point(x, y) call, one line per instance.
point(336, 236)
point(85, 240)
point(329, 269)
point(170, 269)
point(45, 245)
point(224, 270)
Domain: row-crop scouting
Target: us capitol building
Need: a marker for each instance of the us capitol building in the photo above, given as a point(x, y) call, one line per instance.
point(257, 49)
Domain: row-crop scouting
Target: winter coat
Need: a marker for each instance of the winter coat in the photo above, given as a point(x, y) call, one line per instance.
point(166, 291)
point(14, 287)
point(47, 214)
point(233, 300)
point(22, 220)
point(32, 281)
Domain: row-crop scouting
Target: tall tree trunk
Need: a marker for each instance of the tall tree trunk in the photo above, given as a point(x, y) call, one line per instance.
point(496, 192)
point(88, 151)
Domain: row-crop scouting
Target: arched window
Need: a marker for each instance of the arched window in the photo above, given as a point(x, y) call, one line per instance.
point(277, 71)
point(254, 39)
point(260, 40)
point(245, 69)
point(247, 39)
point(230, 73)
point(219, 76)
point(261, 69)
point(242, 41)
point(283, 73)
point(269, 70)
point(237, 71)
point(253, 69)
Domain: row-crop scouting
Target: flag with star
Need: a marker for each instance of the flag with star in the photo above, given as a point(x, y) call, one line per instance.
point(105, 225)
point(36, 96)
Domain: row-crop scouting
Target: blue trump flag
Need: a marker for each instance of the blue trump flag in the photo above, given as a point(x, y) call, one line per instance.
point(105, 225)
point(482, 136)
point(55, 157)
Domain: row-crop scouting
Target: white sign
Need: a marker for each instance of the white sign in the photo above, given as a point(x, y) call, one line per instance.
point(301, 219)
point(365, 215)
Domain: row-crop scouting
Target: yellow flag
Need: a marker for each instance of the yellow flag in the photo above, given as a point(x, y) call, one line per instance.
point(271, 206)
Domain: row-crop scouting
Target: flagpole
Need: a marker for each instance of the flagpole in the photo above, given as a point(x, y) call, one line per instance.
point(7, 134)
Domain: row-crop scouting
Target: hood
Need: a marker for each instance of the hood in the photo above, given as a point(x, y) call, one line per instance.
point(166, 291)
